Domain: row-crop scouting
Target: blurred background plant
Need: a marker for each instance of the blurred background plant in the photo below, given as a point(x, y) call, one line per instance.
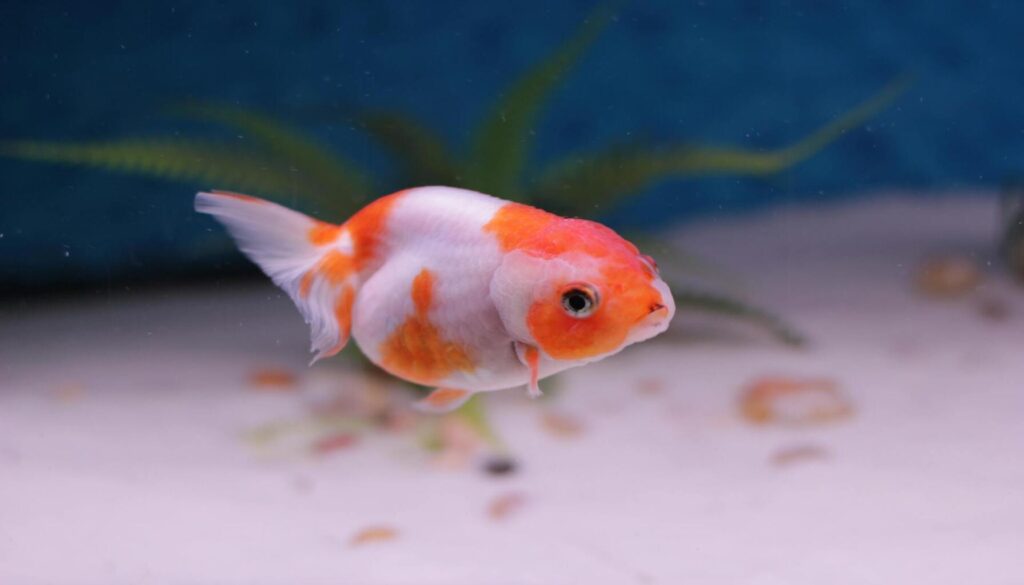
point(281, 160)
point(1011, 242)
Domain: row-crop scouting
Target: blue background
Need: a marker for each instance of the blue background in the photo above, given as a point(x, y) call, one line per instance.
point(754, 74)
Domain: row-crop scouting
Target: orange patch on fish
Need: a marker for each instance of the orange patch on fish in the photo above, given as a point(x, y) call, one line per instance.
point(343, 316)
point(423, 291)
point(367, 227)
point(323, 233)
point(514, 223)
point(518, 226)
point(343, 310)
point(335, 266)
point(416, 350)
point(306, 284)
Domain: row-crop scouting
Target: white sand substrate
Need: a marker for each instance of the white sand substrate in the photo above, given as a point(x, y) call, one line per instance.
point(122, 458)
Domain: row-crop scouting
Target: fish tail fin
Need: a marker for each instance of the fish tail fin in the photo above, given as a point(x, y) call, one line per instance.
point(309, 259)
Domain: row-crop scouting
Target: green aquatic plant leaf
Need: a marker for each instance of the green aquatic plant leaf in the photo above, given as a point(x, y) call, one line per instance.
point(474, 414)
point(674, 263)
point(1011, 240)
point(499, 149)
point(421, 154)
point(331, 180)
point(689, 298)
point(584, 183)
point(207, 163)
point(805, 148)
point(675, 260)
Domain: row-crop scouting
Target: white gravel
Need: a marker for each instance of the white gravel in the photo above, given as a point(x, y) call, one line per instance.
point(121, 459)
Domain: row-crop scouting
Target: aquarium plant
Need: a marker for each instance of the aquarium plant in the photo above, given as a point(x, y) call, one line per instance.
point(279, 159)
point(1011, 243)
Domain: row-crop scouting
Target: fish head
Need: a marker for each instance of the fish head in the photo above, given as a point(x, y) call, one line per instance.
point(580, 292)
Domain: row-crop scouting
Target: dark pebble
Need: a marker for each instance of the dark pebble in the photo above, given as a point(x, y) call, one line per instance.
point(500, 465)
point(994, 309)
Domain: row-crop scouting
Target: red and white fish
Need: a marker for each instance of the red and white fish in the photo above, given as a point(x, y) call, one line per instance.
point(455, 289)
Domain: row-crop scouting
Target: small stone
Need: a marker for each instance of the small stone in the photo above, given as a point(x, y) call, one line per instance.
point(994, 309)
point(504, 505)
point(500, 465)
point(948, 276)
point(272, 379)
point(650, 386)
point(396, 419)
point(798, 453)
point(793, 401)
point(373, 534)
point(561, 425)
point(333, 443)
point(69, 391)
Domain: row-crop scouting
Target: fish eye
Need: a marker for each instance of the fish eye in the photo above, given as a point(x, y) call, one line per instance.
point(579, 300)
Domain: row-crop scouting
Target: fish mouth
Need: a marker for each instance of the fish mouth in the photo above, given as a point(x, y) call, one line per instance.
point(656, 318)
point(655, 312)
point(656, 307)
point(659, 314)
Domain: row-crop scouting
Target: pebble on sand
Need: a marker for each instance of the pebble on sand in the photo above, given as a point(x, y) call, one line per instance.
point(802, 453)
point(793, 401)
point(272, 380)
point(561, 425)
point(949, 276)
point(504, 505)
point(372, 534)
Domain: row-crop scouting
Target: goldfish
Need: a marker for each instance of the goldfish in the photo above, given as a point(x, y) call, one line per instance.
point(453, 289)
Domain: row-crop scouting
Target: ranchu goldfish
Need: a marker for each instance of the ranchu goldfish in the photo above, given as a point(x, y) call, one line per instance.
point(454, 289)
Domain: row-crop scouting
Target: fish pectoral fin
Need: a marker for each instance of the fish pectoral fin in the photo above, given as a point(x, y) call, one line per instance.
point(529, 356)
point(442, 400)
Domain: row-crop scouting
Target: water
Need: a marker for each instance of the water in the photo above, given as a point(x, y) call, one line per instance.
point(837, 401)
